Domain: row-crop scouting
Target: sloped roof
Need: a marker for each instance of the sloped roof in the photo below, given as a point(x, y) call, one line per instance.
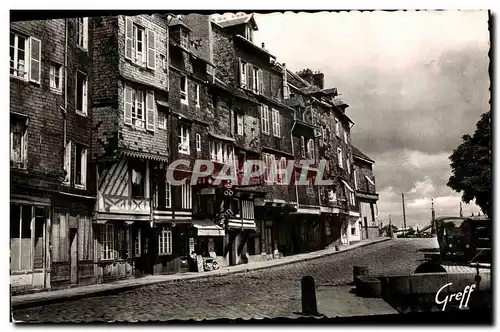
point(175, 22)
point(356, 152)
point(339, 101)
point(331, 91)
point(237, 21)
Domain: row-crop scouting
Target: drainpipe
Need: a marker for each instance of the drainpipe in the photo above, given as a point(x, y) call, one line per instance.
point(65, 82)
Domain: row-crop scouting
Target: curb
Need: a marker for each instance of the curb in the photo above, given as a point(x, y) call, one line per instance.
point(118, 289)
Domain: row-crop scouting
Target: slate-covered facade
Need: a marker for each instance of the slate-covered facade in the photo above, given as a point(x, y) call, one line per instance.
point(103, 109)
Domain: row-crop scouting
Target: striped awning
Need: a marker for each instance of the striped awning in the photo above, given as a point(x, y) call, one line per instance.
point(144, 155)
point(242, 224)
point(208, 228)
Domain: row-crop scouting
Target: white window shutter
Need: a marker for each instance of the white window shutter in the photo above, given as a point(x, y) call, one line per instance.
point(127, 107)
point(84, 168)
point(128, 38)
point(67, 162)
point(35, 59)
point(260, 81)
point(151, 56)
point(150, 110)
point(85, 32)
point(249, 77)
point(242, 75)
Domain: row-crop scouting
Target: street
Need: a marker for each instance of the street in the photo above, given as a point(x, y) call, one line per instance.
point(274, 292)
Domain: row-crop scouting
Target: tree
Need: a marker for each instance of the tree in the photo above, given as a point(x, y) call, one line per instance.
point(471, 166)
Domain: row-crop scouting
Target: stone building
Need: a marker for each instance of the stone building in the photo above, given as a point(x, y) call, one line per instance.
point(105, 109)
point(52, 192)
point(367, 226)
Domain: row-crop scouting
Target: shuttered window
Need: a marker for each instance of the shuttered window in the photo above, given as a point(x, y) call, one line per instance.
point(25, 57)
point(81, 93)
point(35, 59)
point(139, 108)
point(140, 44)
point(151, 54)
point(276, 123)
point(264, 117)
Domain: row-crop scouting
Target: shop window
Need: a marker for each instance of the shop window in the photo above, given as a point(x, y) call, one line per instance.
point(165, 242)
point(106, 239)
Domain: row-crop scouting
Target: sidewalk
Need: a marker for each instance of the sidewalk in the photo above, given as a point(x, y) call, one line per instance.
point(123, 285)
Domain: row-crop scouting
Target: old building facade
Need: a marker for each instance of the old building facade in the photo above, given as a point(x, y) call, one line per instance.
point(367, 225)
point(111, 118)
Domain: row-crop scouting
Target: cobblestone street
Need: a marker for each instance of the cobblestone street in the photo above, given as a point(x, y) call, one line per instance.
point(274, 292)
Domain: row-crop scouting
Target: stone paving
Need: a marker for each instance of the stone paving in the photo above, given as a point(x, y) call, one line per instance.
point(272, 292)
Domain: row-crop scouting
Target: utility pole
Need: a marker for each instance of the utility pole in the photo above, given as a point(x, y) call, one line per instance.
point(390, 226)
point(433, 217)
point(404, 214)
point(461, 212)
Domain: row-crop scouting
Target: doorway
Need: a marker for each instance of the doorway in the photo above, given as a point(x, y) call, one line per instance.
point(142, 251)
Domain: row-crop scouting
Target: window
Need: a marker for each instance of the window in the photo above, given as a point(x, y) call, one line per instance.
point(340, 157)
point(26, 237)
point(310, 148)
point(198, 142)
point(140, 44)
point(324, 136)
point(134, 111)
point(56, 77)
point(356, 179)
point(184, 39)
point(247, 209)
point(107, 241)
point(81, 93)
point(276, 123)
point(165, 241)
point(82, 28)
point(168, 195)
point(239, 124)
point(282, 169)
point(67, 163)
point(345, 136)
point(337, 127)
point(197, 94)
point(162, 120)
point(353, 230)
point(302, 146)
point(264, 116)
point(18, 142)
point(163, 61)
point(80, 166)
point(186, 195)
point(243, 74)
point(138, 178)
point(184, 140)
point(271, 167)
point(248, 32)
point(137, 244)
point(221, 152)
point(184, 90)
point(348, 164)
point(257, 80)
point(25, 57)
point(352, 199)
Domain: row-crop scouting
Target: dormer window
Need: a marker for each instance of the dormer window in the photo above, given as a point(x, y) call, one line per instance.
point(249, 32)
point(184, 39)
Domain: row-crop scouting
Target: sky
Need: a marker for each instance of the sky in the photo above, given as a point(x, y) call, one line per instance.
point(415, 82)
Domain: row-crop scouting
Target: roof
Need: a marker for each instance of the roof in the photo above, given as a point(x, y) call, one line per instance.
point(175, 22)
point(237, 20)
point(357, 153)
point(331, 91)
point(339, 101)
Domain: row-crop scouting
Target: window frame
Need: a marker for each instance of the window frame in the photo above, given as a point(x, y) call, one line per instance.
point(26, 50)
point(240, 124)
point(198, 142)
point(337, 127)
point(107, 246)
point(84, 24)
point(143, 165)
point(84, 110)
point(243, 74)
point(185, 93)
point(197, 95)
point(162, 124)
point(184, 140)
point(82, 159)
point(165, 242)
point(52, 77)
point(136, 28)
point(168, 195)
point(340, 158)
point(276, 119)
point(23, 153)
point(264, 119)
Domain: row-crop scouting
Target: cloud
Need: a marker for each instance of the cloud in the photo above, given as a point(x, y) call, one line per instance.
point(415, 82)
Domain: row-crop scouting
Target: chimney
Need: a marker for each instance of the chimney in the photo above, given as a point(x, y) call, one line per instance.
point(263, 46)
point(318, 79)
point(306, 75)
